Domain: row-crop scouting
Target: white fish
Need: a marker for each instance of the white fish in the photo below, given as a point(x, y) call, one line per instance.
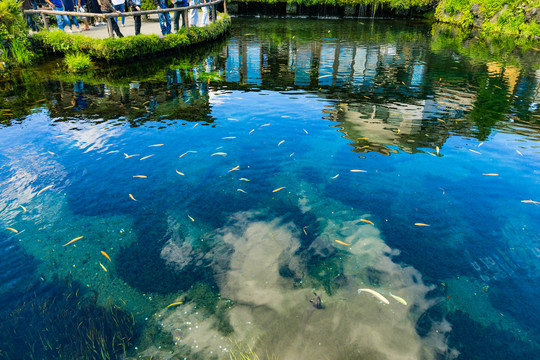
point(376, 294)
point(398, 299)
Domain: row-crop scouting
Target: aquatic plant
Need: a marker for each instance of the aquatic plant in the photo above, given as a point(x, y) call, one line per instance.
point(66, 322)
point(208, 299)
point(76, 62)
point(245, 352)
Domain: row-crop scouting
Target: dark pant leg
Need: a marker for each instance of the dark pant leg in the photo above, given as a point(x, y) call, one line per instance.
point(137, 20)
point(114, 24)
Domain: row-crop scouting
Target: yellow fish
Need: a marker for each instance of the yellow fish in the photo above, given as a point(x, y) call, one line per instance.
point(180, 173)
point(480, 144)
point(155, 145)
point(103, 267)
point(50, 152)
point(105, 254)
point(192, 219)
point(174, 303)
point(474, 151)
point(367, 221)
point(187, 152)
point(23, 208)
point(146, 157)
point(12, 229)
point(530, 202)
point(229, 137)
point(355, 170)
point(45, 188)
point(128, 156)
point(237, 167)
point(304, 230)
point(437, 148)
point(421, 224)
point(219, 153)
point(72, 241)
point(276, 190)
point(398, 299)
point(244, 179)
point(305, 131)
point(136, 108)
point(342, 243)
point(241, 191)
point(491, 174)
point(333, 177)
point(263, 125)
point(362, 138)
point(132, 198)
point(403, 83)
point(519, 152)
point(281, 142)
point(140, 176)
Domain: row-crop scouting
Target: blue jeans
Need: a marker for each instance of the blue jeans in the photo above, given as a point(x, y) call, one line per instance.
point(61, 20)
point(121, 9)
point(164, 19)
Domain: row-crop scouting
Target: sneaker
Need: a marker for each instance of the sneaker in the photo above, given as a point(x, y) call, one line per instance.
point(123, 25)
point(68, 31)
point(78, 30)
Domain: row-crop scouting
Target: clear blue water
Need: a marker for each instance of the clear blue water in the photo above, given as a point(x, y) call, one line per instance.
point(297, 156)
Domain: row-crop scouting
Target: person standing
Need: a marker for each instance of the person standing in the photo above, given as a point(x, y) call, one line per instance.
point(30, 5)
point(82, 4)
point(68, 6)
point(193, 13)
point(61, 20)
point(119, 6)
point(108, 8)
point(164, 18)
point(136, 6)
point(93, 7)
point(204, 18)
point(177, 4)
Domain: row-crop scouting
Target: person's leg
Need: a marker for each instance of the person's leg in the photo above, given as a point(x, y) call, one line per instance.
point(116, 29)
point(168, 22)
point(75, 21)
point(137, 20)
point(177, 4)
point(162, 24)
point(122, 8)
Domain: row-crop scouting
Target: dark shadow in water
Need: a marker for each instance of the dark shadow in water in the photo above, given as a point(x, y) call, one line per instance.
point(64, 321)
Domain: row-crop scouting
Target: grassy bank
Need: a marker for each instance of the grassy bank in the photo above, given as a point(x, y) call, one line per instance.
point(15, 48)
point(112, 49)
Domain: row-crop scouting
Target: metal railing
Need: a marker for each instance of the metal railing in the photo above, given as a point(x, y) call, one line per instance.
point(109, 16)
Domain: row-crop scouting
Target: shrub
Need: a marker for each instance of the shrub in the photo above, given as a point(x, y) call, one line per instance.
point(14, 44)
point(78, 62)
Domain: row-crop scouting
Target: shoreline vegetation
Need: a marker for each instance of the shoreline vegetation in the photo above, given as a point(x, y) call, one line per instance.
point(517, 20)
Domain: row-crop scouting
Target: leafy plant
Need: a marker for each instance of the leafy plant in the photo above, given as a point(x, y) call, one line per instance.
point(14, 44)
point(78, 62)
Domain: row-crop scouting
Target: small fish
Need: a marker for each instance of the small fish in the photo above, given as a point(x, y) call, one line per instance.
point(24, 209)
point(72, 241)
point(140, 176)
point(237, 167)
point(281, 142)
point(194, 126)
point(491, 174)
point(192, 219)
point(136, 108)
point(69, 107)
point(146, 102)
point(376, 294)
point(530, 202)
point(276, 190)
point(480, 144)
point(367, 221)
point(421, 224)
point(128, 156)
point(132, 198)
point(305, 131)
point(146, 157)
point(355, 170)
point(190, 151)
point(251, 131)
point(342, 243)
point(291, 154)
point(241, 191)
point(112, 152)
point(155, 145)
point(304, 230)
point(474, 151)
point(441, 120)
point(437, 149)
point(362, 138)
point(265, 125)
point(12, 229)
point(50, 152)
point(219, 153)
point(398, 299)
point(333, 177)
point(244, 179)
point(180, 173)
point(45, 188)
point(174, 304)
point(229, 137)
point(519, 152)
point(103, 267)
point(404, 83)
point(105, 254)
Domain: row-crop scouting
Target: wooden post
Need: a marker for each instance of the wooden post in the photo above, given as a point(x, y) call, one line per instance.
point(45, 21)
point(225, 6)
point(213, 8)
point(185, 17)
point(109, 27)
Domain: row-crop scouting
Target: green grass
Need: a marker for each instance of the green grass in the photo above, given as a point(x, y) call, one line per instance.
point(77, 62)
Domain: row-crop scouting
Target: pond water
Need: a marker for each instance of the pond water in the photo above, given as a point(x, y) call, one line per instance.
point(235, 199)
